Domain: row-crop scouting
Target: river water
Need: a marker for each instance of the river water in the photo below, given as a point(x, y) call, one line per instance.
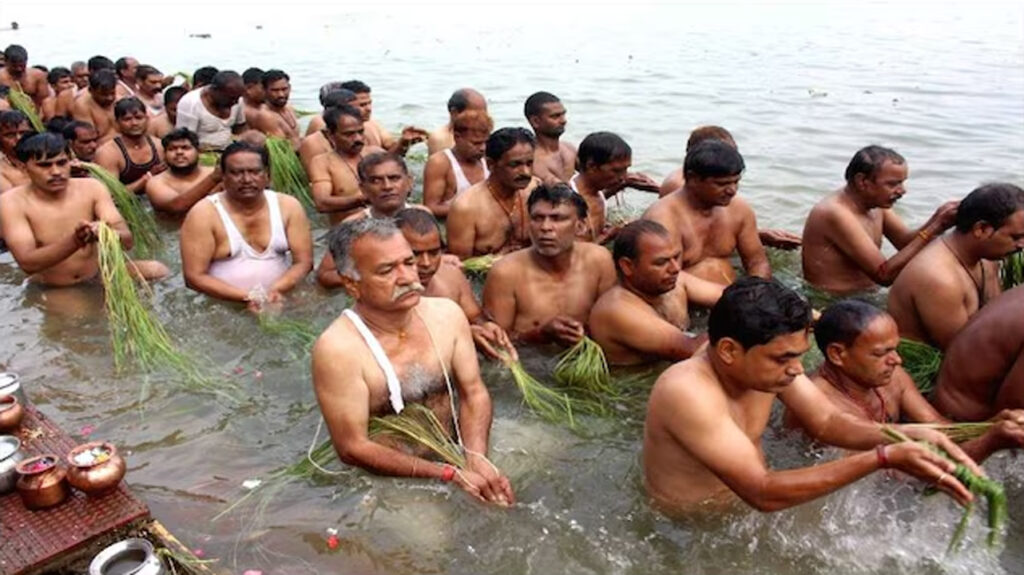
point(800, 86)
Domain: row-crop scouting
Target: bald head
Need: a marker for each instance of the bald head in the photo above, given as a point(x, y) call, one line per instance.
point(466, 99)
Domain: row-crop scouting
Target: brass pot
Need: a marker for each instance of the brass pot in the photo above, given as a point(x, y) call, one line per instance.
point(11, 413)
point(43, 482)
point(96, 475)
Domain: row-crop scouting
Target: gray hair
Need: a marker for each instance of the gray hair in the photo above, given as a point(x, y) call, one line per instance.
point(344, 236)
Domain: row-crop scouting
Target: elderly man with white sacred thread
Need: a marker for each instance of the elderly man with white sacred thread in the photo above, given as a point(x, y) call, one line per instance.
point(393, 348)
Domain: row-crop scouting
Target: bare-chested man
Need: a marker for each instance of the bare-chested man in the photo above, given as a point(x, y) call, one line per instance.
point(490, 217)
point(83, 141)
point(331, 94)
point(863, 375)
point(16, 74)
point(51, 224)
point(376, 135)
point(555, 161)
point(133, 155)
point(59, 80)
point(163, 123)
point(214, 112)
point(66, 100)
point(394, 348)
point(254, 96)
point(545, 292)
point(335, 174)
point(126, 83)
point(604, 160)
point(235, 245)
point(644, 317)
point(461, 100)
point(453, 170)
point(951, 279)
point(96, 106)
point(184, 182)
point(277, 119)
point(385, 183)
point(13, 126)
point(843, 234)
point(706, 415)
point(316, 141)
point(150, 82)
point(983, 367)
point(711, 221)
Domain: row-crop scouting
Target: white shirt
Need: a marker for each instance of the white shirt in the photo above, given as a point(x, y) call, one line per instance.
point(214, 132)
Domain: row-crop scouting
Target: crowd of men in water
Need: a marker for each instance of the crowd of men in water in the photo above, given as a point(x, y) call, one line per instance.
point(542, 205)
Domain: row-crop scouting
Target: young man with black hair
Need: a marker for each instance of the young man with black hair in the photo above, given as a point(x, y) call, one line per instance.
point(277, 118)
point(952, 278)
point(51, 224)
point(706, 416)
point(133, 155)
point(376, 135)
point(185, 182)
point(13, 126)
point(96, 106)
point(555, 160)
point(17, 75)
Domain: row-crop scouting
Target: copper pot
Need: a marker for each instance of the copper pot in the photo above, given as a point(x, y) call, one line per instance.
point(95, 468)
point(43, 482)
point(11, 413)
point(10, 456)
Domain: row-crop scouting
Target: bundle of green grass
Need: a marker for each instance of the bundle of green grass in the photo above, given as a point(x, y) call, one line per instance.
point(286, 172)
point(1011, 271)
point(135, 333)
point(479, 265)
point(992, 491)
point(141, 223)
point(21, 101)
point(922, 362)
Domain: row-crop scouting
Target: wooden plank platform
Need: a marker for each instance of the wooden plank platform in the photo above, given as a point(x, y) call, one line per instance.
point(36, 541)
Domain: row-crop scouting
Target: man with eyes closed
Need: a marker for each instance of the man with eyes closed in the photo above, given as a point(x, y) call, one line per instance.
point(393, 348)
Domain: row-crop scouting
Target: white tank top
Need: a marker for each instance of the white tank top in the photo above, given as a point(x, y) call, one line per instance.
point(461, 181)
point(245, 268)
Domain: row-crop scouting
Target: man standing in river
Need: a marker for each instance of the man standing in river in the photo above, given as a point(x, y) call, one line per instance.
point(706, 415)
point(393, 348)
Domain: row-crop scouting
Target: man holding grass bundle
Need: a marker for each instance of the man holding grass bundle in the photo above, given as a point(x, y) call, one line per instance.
point(863, 376)
point(545, 292)
point(393, 348)
point(51, 223)
point(706, 415)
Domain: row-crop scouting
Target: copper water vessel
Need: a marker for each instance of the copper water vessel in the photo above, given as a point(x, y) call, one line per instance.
point(43, 482)
point(99, 477)
point(11, 413)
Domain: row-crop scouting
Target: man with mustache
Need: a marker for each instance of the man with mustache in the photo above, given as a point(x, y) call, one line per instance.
point(983, 369)
point(393, 348)
point(246, 244)
point(96, 106)
point(83, 141)
point(133, 155)
point(490, 217)
point(13, 126)
point(452, 171)
point(277, 118)
point(706, 415)
point(603, 161)
point(335, 175)
point(710, 220)
point(952, 278)
point(184, 182)
point(862, 375)
point(842, 236)
point(317, 139)
point(545, 292)
point(644, 317)
point(151, 83)
point(214, 112)
point(461, 100)
point(554, 161)
point(51, 223)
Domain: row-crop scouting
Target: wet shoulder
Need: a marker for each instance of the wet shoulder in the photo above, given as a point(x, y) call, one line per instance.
point(594, 254)
point(439, 310)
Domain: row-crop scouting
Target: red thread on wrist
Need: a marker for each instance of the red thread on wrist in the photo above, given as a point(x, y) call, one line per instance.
point(883, 461)
point(448, 474)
